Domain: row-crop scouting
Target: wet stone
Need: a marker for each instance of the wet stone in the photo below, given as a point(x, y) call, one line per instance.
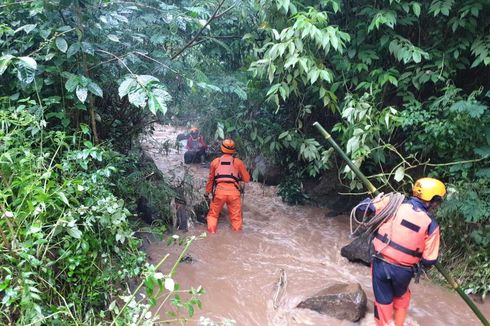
point(269, 173)
point(341, 301)
point(359, 250)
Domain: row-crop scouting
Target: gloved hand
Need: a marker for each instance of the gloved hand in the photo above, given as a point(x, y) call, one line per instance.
point(206, 195)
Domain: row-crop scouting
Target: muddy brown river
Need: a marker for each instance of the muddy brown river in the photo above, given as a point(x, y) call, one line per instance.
point(239, 270)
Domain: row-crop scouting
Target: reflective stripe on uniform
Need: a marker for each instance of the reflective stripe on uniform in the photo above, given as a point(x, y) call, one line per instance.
point(385, 239)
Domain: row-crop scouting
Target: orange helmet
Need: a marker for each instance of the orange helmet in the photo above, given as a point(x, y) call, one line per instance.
point(194, 129)
point(228, 146)
point(428, 188)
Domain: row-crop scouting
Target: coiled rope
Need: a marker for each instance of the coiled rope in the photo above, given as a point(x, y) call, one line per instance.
point(371, 224)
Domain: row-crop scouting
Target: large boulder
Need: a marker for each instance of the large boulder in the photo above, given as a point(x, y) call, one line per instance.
point(359, 250)
point(201, 210)
point(341, 301)
point(269, 174)
point(325, 190)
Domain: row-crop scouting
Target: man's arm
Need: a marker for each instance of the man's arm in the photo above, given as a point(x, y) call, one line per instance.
point(242, 169)
point(212, 171)
point(432, 241)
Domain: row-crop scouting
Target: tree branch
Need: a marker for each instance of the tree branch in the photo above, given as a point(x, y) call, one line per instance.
point(224, 12)
point(214, 16)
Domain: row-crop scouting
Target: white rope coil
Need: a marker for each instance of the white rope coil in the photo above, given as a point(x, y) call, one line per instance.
point(371, 224)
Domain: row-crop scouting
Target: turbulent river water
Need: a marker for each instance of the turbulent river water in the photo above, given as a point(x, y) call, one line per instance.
point(239, 270)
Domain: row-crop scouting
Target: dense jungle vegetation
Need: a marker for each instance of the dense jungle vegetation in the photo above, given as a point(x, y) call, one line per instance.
point(404, 85)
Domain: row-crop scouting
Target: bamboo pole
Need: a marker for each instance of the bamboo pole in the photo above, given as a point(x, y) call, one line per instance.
point(372, 190)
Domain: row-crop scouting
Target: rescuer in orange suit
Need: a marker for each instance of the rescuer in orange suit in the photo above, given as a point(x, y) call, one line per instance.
point(401, 244)
point(226, 174)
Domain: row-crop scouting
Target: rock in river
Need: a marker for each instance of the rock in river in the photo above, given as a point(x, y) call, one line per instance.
point(341, 301)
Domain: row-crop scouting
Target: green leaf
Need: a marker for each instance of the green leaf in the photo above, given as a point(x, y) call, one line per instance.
point(162, 97)
point(73, 49)
point(146, 79)
point(61, 44)
point(126, 86)
point(113, 38)
point(74, 232)
point(474, 109)
point(88, 48)
point(28, 62)
point(399, 174)
point(5, 60)
point(334, 41)
point(26, 28)
point(138, 98)
point(85, 129)
point(190, 310)
point(313, 75)
point(483, 151)
point(416, 8)
point(82, 93)
point(26, 69)
point(153, 105)
point(71, 83)
point(416, 57)
point(483, 173)
point(95, 89)
point(63, 198)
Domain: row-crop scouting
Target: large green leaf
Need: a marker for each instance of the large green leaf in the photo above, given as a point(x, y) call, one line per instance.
point(95, 89)
point(61, 44)
point(126, 86)
point(73, 49)
point(138, 97)
point(26, 69)
point(71, 83)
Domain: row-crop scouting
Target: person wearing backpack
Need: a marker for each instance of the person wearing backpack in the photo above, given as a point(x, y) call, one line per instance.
point(226, 176)
point(403, 243)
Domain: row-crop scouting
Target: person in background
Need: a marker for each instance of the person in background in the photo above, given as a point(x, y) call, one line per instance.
point(196, 148)
point(226, 175)
point(401, 243)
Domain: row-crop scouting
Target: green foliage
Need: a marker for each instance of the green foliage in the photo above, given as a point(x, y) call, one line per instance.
point(465, 221)
point(67, 237)
point(291, 190)
point(143, 90)
point(67, 242)
point(287, 59)
point(405, 86)
point(452, 127)
point(71, 74)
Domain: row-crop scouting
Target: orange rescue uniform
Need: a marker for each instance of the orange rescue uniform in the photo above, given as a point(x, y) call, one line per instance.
point(406, 239)
point(224, 175)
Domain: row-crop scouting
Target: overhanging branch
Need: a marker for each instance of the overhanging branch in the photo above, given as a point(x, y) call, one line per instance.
point(213, 17)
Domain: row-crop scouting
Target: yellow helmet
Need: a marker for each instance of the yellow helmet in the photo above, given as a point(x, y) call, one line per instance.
point(427, 188)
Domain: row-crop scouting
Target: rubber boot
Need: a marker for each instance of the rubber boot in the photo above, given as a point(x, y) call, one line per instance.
point(400, 316)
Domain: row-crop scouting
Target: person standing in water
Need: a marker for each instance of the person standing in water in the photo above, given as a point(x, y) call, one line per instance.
point(226, 175)
point(401, 243)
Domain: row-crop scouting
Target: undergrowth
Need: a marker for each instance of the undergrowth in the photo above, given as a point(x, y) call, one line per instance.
point(67, 247)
